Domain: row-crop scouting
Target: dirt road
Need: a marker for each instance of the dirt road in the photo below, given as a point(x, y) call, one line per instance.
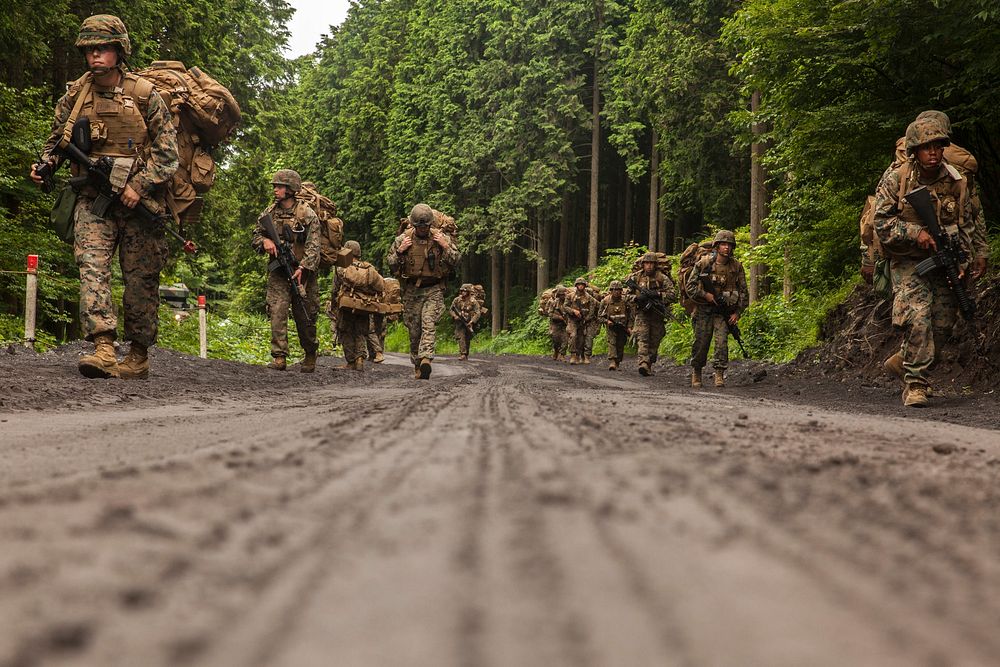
point(507, 512)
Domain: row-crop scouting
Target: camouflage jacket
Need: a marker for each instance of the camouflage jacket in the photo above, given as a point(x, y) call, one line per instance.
point(729, 282)
point(619, 311)
point(658, 282)
point(899, 231)
point(306, 246)
point(586, 304)
point(468, 308)
point(554, 309)
point(160, 159)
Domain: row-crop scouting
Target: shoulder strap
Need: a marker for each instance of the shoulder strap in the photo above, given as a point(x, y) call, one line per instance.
point(81, 97)
point(905, 170)
point(141, 89)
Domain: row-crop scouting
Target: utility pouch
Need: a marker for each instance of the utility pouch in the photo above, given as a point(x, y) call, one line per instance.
point(62, 214)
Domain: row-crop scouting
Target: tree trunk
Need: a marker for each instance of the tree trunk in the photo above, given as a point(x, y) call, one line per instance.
point(595, 144)
point(567, 213)
point(495, 292)
point(787, 288)
point(661, 230)
point(506, 289)
point(758, 201)
point(654, 194)
point(629, 231)
point(542, 250)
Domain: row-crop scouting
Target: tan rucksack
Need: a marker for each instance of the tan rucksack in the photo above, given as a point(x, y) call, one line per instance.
point(331, 237)
point(441, 221)
point(663, 263)
point(479, 292)
point(392, 302)
point(689, 258)
point(867, 225)
point(205, 114)
point(543, 301)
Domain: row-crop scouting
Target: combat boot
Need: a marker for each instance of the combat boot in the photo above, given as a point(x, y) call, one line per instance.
point(379, 358)
point(696, 378)
point(915, 395)
point(102, 363)
point(424, 370)
point(894, 365)
point(277, 364)
point(574, 360)
point(463, 357)
point(555, 356)
point(613, 365)
point(720, 378)
point(416, 372)
point(308, 364)
point(359, 364)
point(644, 369)
point(135, 365)
point(586, 359)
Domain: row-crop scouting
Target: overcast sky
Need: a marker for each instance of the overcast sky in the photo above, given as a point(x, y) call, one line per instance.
point(313, 19)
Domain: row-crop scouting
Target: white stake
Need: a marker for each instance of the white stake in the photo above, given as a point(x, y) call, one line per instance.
point(31, 301)
point(202, 328)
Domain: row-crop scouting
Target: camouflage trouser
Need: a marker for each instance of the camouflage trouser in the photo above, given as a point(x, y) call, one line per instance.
point(593, 329)
point(375, 338)
point(557, 332)
point(142, 252)
point(924, 308)
point(353, 328)
point(616, 342)
point(577, 333)
point(709, 326)
point(279, 299)
point(649, 331)
point(464, 338)
point(422, 307)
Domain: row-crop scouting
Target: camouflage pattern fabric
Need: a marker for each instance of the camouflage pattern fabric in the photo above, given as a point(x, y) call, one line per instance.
point(925, 309)
point(331, 313)
point(620, 312)
point(649, 331)
point(422, 307)
point(307, 250)
point(576, 327)
point(709, 326)
point(353, 328)
point(142, 253)
point(375, 338)
point(279, 300)
point(559, 336)
point(160, 161)
point(470, 309)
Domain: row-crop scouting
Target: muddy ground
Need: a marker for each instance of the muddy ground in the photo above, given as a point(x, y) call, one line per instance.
point(510, 511)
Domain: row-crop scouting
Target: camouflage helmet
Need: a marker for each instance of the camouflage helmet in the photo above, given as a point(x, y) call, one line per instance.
point(580, 281)
point(466, 287)
point(724, 236)
point(421, 215)
point(104, 29)
point(649, 257)
point(940, 116)
point(354, 247)
point(615, 284)
point(289, 178)
point(561, 289)
point(924, 131)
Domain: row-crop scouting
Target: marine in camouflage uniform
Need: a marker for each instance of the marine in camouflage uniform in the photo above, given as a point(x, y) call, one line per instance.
point(649, 322)
point(617, 314)
point(422, 258)
point(579, 309)
point(130, 122)
point(557, 321)
point(304, 225)
point(465, 307)
point(353, 326)
point(375, 339)
point(728, 291)
point(924, 307)
point(594, 327)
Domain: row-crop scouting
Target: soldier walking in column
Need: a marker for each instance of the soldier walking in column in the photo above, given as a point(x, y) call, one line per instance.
point(465, 311)
point(718, 287)
point(579, 309)
point(357, 291)
point(423, 258)
point(134, 130)
point(552, 310)
point(653, 291)
point(616, 313)
point(297, 226)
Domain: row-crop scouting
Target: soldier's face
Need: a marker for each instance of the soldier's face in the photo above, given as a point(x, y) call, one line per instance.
point(422, 230)
point(280, 192)
point(580, 289)
point(648, 267)
point(101, 56)
point(726, 249)
point(930, 155)
point(616, 294)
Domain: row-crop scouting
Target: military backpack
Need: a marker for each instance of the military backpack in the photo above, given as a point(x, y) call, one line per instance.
point(689, 258)
point(331, 228)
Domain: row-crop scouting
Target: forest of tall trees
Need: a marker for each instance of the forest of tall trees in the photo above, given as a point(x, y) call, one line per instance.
point(552, 131)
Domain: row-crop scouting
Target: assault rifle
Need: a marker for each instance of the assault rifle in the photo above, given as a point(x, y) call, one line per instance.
point(949, 255)
point(458, 316)
point(108, 176)
point(725, 310)
point(646, 299)
point(285, 260)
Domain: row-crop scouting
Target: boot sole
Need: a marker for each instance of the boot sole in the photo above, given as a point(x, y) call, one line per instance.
point(425, 371)
point(135, 376)
point(97, 373)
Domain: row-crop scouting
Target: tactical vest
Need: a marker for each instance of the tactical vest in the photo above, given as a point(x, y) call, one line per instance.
point(616, 311)
point(584, 303)
point(291, 217)
point(422, 260)
point(725, 279)
point(117, 115)
point(466, 306)
point(948, 194)
point(656, 282)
